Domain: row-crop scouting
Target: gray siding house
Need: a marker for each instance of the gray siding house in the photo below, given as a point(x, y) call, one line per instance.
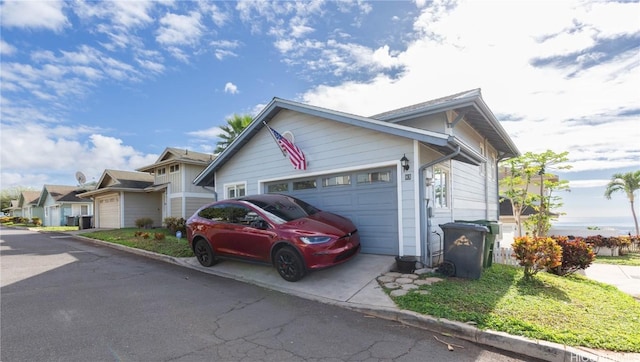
point(28, 204)
point(397, 175)
point(172, 174)
point(60, 201)
point(122, 197)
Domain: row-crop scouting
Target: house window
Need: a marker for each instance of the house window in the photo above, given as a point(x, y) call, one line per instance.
point(174, 168)
point(281, 187)
point(441, 187)
point(161, 171)
point(235, 190)
point(492, 166)
point(84, 210)
point(336, 181)
point(304, 185)
point(373, 177)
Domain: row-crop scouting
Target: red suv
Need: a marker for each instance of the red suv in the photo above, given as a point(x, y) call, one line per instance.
point(273, 229)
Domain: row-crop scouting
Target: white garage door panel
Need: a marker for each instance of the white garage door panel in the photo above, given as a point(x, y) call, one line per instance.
point(109, 213)
point(372, 207)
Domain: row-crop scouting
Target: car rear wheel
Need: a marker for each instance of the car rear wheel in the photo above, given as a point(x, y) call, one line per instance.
point(289, 264)
point(203, 252)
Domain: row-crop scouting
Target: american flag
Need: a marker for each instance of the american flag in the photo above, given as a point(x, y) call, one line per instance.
point(295, 154)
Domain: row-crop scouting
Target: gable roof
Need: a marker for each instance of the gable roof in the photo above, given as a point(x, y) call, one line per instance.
point(28, 198)
point(118, 180)
point(385, 123)
point(176, 155)
point(506, 209)
point(61, 194)
point(468, 104)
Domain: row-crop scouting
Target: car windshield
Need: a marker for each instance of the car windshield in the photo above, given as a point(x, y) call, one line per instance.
point(287, 209)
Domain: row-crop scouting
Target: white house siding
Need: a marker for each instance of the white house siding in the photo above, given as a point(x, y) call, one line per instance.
point(139, 205)
point(190, 173)
point(469, 197)
point(434, 122)
point(330, 147)
point(176, 207)
point(52, 212)
point(107, 211)
point(176, 180)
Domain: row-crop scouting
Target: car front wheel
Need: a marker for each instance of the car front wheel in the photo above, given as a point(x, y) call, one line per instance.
point(204, 253)
point(289, 264)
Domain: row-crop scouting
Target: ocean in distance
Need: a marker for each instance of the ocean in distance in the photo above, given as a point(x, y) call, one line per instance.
point(623, 225)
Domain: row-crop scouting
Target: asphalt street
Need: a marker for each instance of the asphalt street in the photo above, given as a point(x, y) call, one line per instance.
point(63, 299)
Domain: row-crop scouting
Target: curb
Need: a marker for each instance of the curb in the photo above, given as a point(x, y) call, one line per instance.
point(539, 349)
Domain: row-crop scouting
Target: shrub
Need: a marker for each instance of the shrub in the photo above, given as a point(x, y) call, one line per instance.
point(144, 222)
point(145, 235)
point(576, 255)
point(176, 224)
point(36, 221)
point(6, 219)
point(536, 253)
point(159, 236)
point(612, 242)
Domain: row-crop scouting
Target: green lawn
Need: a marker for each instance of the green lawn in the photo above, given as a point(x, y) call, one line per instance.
point(570, 310)
point(627, 259)
point(170, 245)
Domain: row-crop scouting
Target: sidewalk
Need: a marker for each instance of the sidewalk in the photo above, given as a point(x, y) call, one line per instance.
point(624, 277)
point(354, 285)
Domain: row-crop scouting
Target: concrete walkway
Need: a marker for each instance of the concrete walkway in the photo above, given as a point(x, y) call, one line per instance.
point(624, 277)
point(354, 285)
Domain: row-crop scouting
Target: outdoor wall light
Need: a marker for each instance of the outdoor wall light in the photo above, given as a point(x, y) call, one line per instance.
point(404, 161)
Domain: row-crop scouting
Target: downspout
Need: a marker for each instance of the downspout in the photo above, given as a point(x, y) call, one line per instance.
point(426, 242)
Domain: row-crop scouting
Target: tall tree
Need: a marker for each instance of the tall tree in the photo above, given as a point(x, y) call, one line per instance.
point(629, 183)
point(235, 125)
point(528, 184)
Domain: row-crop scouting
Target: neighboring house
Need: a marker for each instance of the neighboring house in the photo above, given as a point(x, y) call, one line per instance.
point(355, 167)
point(60, 202)
point(508, 226)
point(28, 203)
point(122, 197)
point(172, 174)
point(14, 209)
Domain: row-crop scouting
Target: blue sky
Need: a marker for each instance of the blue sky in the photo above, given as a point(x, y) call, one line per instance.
point(93, 85)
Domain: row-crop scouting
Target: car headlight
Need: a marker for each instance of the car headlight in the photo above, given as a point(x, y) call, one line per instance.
point(315, 239)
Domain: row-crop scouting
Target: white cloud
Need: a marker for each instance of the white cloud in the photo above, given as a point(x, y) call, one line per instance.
point(6, 49)
point(578, 184)
point(33, 14)
point(496, 55)
point(180, 29)
point(73, 152)
point(209, 133)
point(230, 88)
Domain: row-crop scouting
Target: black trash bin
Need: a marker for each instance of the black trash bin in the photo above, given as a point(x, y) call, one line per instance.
point(490, 242)
point(464, 245)
point(72, 221)
point(85, 222)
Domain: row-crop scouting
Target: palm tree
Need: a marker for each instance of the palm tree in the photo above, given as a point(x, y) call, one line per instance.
point(235, 125)
point(629, 183)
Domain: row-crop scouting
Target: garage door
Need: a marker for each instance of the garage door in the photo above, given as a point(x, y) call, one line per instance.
point(369, 198)
point(109, 212)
